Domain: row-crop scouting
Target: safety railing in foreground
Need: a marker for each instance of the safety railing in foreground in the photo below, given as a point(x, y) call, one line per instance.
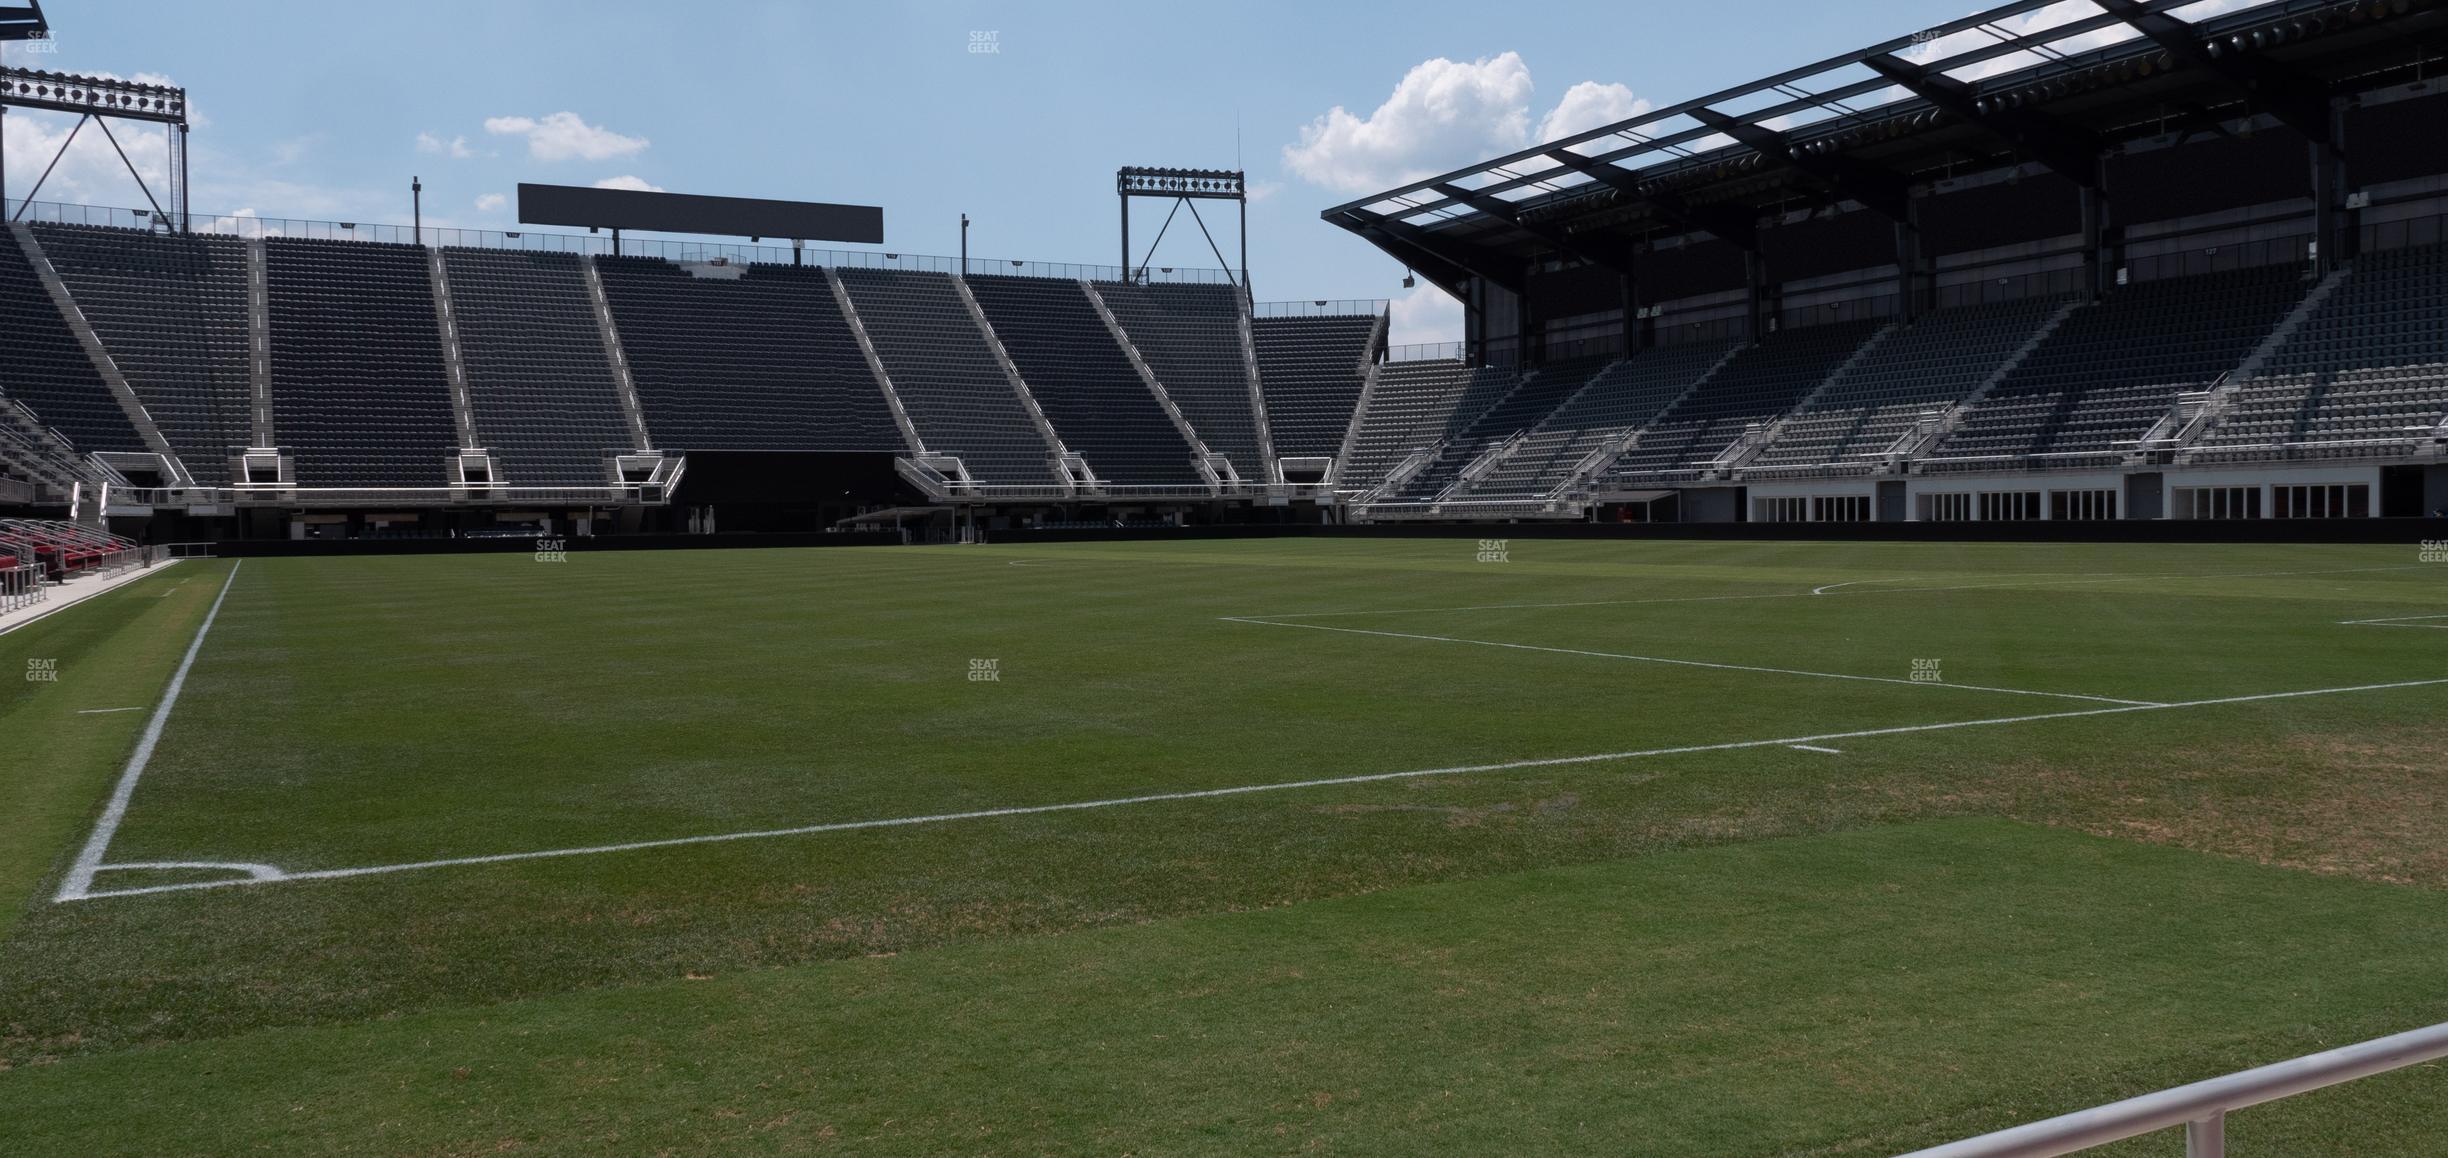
point(21, 583)
point(2201, 1108)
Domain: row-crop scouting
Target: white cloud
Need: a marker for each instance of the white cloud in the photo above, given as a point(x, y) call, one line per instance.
point(491, 202)
point(627, 181)
point(455, 148)
point(564, 136)
point(1261, 190)
point(1588, 105)
point(1443, 115)
point(1426, 314)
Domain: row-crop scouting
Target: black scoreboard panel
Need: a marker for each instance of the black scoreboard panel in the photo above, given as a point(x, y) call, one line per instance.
point(694, 213)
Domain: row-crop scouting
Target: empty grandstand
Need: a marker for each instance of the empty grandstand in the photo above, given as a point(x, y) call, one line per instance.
point(1961, 287)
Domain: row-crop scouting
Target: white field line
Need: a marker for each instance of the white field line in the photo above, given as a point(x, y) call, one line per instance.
point(1830, 590)
point(256, 877)
point(107, 711)
point(1825, 675)
point(1852, 583)
point(2398, 621)
point(89, 861)
point(1817, 748)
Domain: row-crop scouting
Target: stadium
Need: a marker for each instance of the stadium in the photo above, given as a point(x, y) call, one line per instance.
point(1901, 626)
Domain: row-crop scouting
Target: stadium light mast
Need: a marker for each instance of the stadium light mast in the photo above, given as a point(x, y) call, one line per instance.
point(100, 100)
point(1183, 187)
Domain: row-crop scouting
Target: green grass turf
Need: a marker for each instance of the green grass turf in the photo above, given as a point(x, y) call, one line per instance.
point(1853, 993)
point(119, 649)
point(371, 711)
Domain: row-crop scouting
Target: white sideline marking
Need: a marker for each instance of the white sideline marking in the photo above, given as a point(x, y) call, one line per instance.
point(107, 711)
point(2399, 621)
point(1825, 675)
point(89, 861)
point(1853, 583)
point(1817, 748)
point(1208, 793)
point(254, 872)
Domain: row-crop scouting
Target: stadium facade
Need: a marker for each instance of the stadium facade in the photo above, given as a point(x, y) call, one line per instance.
point(2129, 267)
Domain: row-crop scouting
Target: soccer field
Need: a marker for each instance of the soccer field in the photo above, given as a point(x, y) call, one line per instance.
point(1372, 845)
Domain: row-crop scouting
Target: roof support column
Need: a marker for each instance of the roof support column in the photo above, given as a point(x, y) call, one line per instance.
point(2338, 229)
point(1474, 322)
point(1755, 287)
point(2101, 254)
point(1913, 288)
point(1525, 334)
point(1635, 329)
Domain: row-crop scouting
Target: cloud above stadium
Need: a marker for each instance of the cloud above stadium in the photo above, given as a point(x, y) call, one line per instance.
point(455, 148)
point(1442, 115)
point(631, 182)
point(1425, 314)
point(565, 136)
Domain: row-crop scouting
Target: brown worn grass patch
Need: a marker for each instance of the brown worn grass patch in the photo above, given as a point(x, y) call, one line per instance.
point(2371, 806)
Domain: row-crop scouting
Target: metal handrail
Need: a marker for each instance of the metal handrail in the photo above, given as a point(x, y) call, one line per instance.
point(1424, 352)
point(1319, 308)
point(249, 226)
point(2201, 1108)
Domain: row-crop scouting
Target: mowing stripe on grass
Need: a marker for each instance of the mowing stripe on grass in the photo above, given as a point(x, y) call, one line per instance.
point(271, 875)
point(1830, 590)
point(89, 861)
point(1825, 675)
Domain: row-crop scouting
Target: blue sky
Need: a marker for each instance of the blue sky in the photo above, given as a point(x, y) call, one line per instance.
point(325, 110)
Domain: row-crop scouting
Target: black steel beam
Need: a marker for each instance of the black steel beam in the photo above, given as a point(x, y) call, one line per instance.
point(23, 21)
point(1878, 190)
point(1610, 252)
point(1736, 227)
point(1651, 135)
point(2301, 102)
point(2070, 152)
point(1431, 257)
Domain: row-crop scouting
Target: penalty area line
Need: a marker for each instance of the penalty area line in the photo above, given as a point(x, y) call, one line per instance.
point(89, 860)
point(1210, 793)
point(1824, 675)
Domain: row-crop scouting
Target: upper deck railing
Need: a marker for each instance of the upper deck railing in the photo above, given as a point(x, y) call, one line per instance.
point(670, 249)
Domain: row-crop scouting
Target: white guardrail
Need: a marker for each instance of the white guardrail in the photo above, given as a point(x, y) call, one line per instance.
point(2201, 1108)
